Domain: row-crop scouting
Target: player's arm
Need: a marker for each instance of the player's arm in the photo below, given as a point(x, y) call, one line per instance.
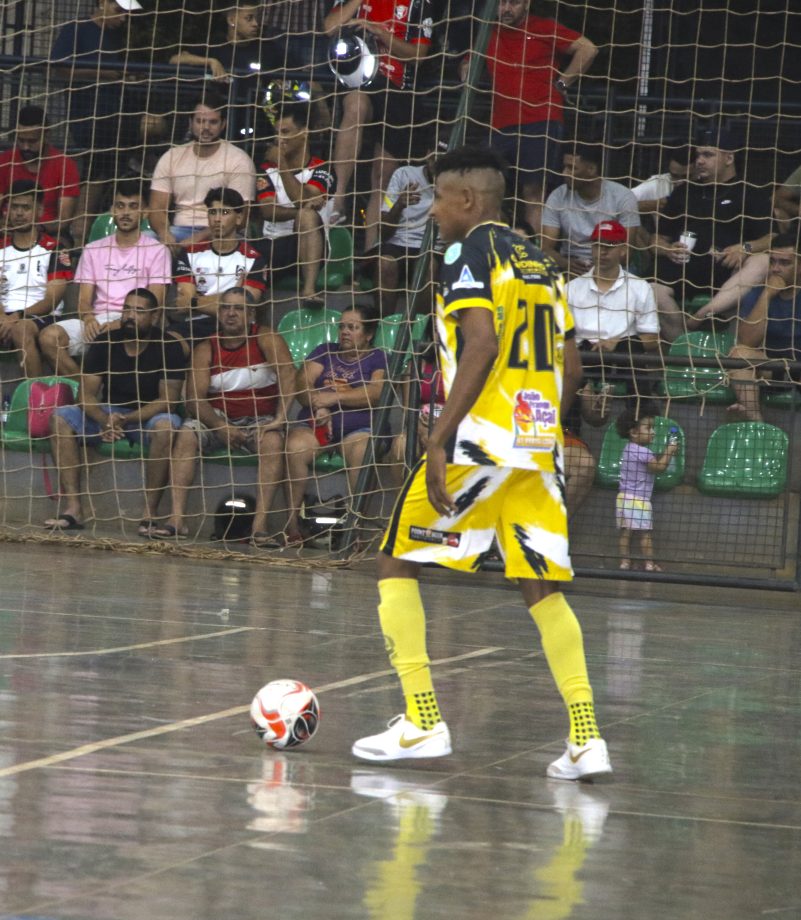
point(478, 354)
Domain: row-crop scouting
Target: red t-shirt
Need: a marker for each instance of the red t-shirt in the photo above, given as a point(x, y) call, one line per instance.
point(57, 177)
point(521, 61)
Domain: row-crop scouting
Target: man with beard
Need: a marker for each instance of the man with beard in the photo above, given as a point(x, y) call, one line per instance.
point(107, 270)
point(34, 274)
point(186, 173)
point(33, 158)
point(129, 387)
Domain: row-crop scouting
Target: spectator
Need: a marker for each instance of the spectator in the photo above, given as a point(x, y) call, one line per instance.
point(204, 271)
point(523, 55)
point(292, 190)
point(92, 54)
point(404, 215)
point(386, 107)
point(34, 274)
point(730, 219)
point(788, 197)
point(152, 142)
point(638, 466)
point(33, 158)
point(107, 270)
point(298, 26)
point(129, 388)
point(185, 174)
point(573, 210)
point(613, 310)
point(238, 394)
point(337, 386)
point(770, 323)
point(653, 193)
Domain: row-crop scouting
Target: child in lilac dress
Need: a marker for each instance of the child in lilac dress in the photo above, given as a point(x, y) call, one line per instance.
point(638, 468)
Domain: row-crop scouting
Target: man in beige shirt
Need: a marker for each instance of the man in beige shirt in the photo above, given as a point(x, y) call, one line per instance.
point(186, 173)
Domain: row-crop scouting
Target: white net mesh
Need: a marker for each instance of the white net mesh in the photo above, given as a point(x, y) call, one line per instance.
point(679, 122)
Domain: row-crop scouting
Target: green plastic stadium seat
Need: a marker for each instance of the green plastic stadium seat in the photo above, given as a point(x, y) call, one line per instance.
point(783, 398)
point(709, 383)
point(14, 434)
point(695, 304)
point(330, 461)
point(121, 450)
point(389, 325)
point(745, 460)
point(306, 328)
point(337, 267)
point(104, 225)
point(235, 457)
point(607, 472)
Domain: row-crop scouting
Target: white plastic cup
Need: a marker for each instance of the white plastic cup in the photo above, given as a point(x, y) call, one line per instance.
point(688, 239)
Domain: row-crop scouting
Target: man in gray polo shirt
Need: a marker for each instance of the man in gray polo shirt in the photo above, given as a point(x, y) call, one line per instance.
point(573, 210)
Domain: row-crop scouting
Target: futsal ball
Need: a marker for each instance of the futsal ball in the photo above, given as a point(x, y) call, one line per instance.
point(285, 714)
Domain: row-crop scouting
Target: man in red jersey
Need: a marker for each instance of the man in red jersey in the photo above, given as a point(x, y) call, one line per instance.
point(238, 393)
point(385, 108)
point(36, 160)
point(528, 88)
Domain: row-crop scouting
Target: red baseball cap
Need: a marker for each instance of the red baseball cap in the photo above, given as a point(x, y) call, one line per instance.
point(609, 231)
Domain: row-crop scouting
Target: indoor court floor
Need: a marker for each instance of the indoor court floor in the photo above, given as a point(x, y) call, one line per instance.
point(133, 788)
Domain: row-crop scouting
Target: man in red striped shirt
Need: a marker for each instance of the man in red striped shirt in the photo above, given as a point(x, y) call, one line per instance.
point(238, 393)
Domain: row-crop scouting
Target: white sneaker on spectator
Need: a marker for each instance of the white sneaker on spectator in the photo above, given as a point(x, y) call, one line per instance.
point(404, 740)
point(584, 762)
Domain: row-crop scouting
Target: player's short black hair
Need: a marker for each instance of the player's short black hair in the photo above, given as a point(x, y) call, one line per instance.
point(230, 197)
point(132, 188)
point(31, 116)
point(25, 187)
point(144, 294)
point(468, 158)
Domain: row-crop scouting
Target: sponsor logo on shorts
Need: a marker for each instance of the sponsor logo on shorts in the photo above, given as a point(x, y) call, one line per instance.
point(440, 537)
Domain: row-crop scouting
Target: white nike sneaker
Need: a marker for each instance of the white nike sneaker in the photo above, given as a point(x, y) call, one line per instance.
point(583, 762)
point(404, 740)
point(400, 793)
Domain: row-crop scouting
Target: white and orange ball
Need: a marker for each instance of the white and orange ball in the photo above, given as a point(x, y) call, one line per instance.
point(285, 714)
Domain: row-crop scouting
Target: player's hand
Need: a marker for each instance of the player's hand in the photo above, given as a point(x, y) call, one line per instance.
point(436, 467)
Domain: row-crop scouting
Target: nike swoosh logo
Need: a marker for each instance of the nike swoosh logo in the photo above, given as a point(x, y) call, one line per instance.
point(578, 756)
point(413, 742)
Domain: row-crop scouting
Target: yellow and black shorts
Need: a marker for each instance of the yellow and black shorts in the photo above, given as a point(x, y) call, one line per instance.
point(524, 509)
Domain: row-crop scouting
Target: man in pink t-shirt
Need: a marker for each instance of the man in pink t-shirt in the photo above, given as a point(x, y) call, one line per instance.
point(33, 158)
point(107, 271)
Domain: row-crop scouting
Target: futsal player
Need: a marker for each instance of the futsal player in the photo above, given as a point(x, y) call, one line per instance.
point(494, 464)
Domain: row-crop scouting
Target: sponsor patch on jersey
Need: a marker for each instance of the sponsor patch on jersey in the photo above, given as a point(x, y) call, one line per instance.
point(452, 253)
point(535, 420)
point(466, 280)
point(440, 537)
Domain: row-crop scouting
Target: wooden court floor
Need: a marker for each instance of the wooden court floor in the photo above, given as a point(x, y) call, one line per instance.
point(132, 787)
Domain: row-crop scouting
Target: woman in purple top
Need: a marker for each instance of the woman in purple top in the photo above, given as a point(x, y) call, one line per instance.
point(638, 467)
point(337, 385)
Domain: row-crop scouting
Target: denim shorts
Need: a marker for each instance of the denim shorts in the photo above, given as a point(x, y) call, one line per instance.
point(89, 430)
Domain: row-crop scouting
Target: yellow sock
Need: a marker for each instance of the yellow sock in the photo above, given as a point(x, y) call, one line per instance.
point(403, 622)
point(563, 645)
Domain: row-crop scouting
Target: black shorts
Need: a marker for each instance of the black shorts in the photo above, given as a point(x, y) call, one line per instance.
point(42, 322)
point(194, 331)
point(392, 122)
point(281, 254)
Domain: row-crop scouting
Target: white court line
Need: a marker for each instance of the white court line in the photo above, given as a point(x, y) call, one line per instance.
point(130, 648)
point(96, 746)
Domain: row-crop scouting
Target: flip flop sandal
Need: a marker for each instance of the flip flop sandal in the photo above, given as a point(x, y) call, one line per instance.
point(168, 532)
point(71, 523)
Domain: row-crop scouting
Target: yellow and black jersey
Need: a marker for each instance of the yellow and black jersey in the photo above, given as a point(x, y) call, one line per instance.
point(515, 420)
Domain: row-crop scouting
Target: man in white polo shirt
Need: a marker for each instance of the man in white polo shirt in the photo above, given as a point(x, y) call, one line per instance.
point(108, 269)
point(613, 310)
